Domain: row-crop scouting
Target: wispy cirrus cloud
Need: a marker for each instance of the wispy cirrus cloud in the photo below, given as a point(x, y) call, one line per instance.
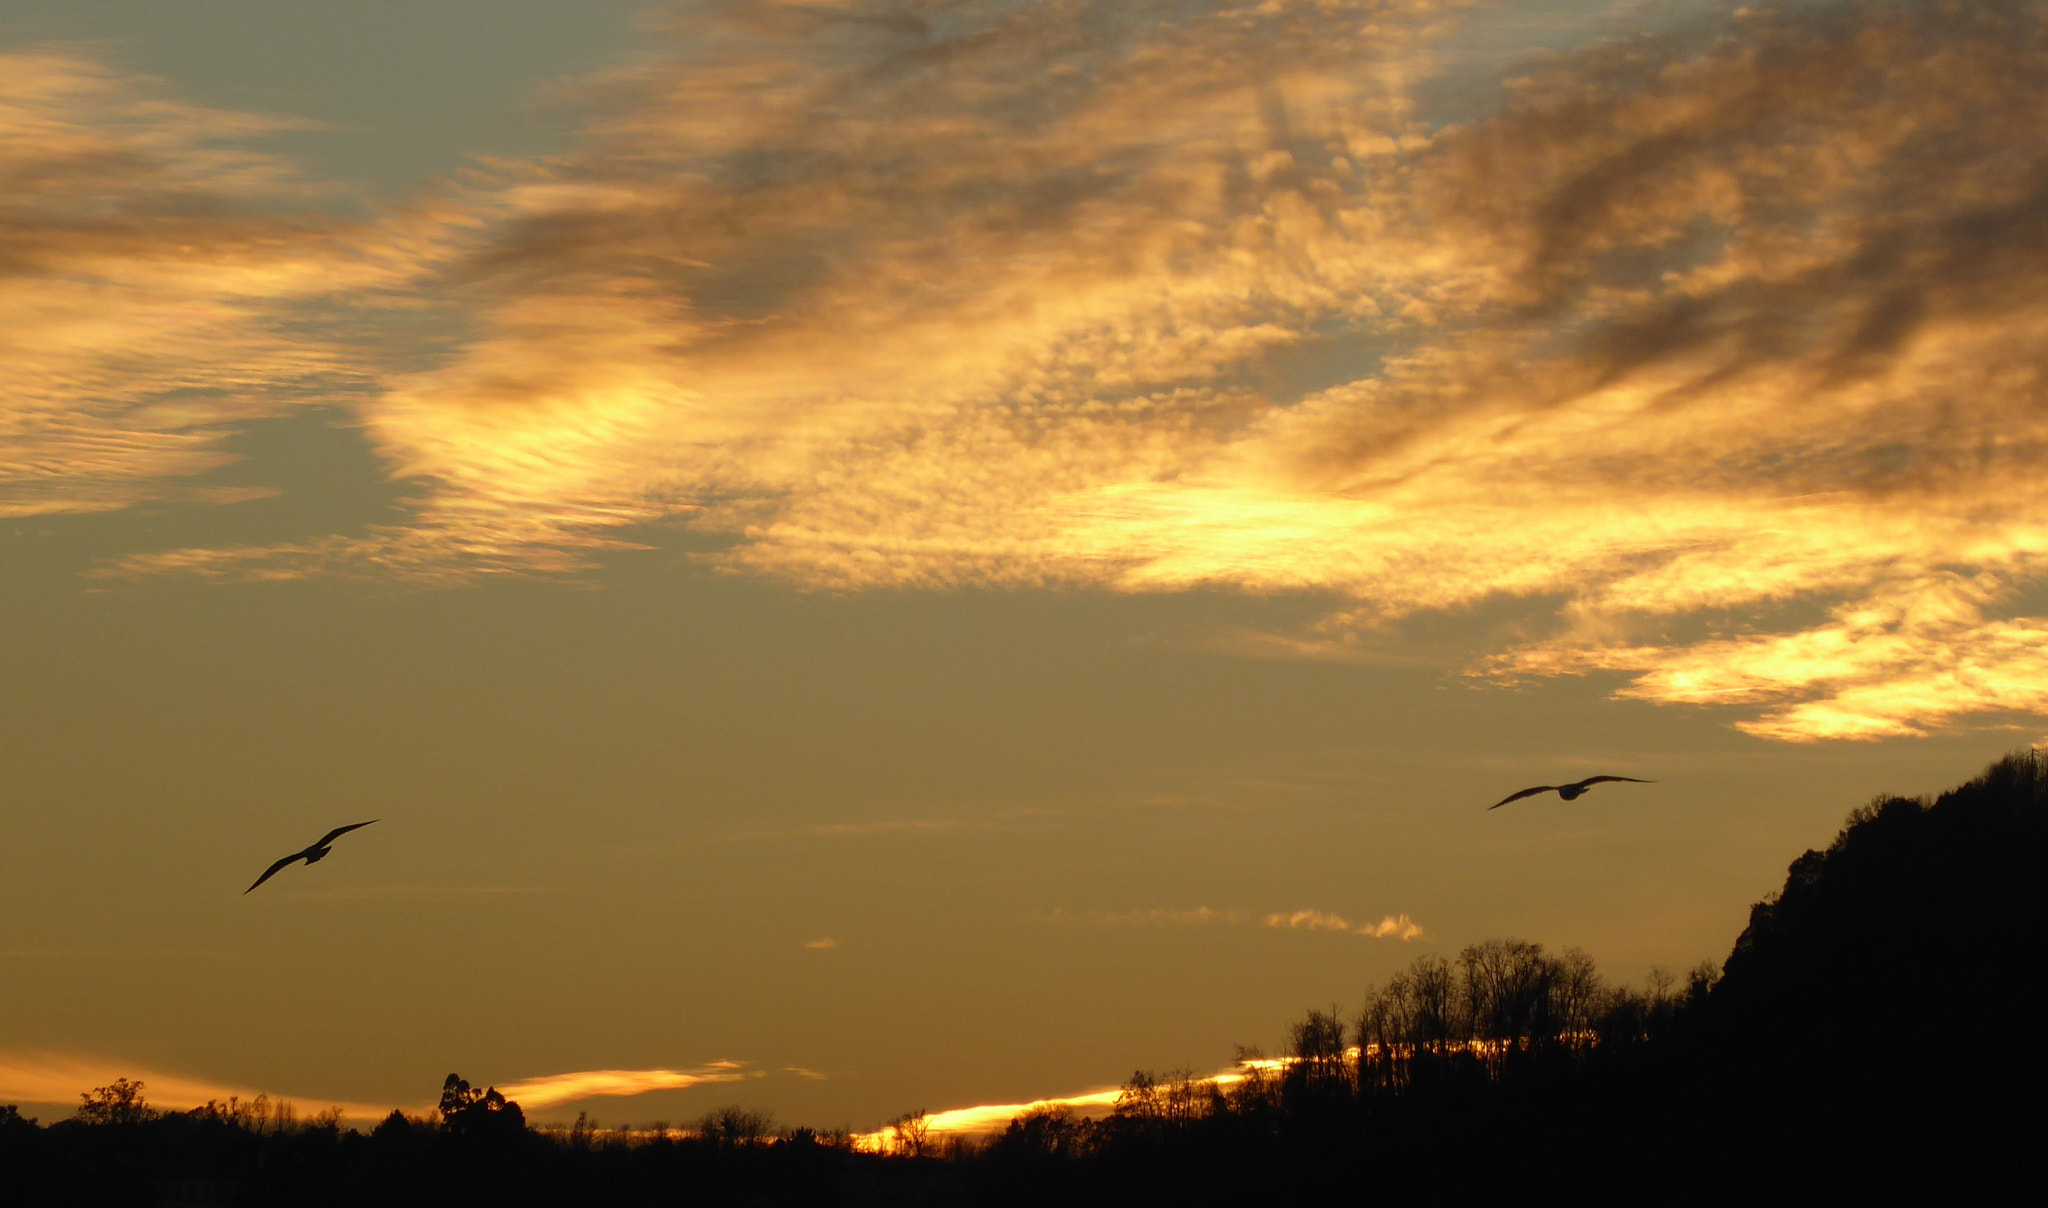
point(150, 264)
point(1693, 337)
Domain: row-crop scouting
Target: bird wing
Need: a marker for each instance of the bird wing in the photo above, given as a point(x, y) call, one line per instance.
point(1598, 779)
point(339, 831)
point(272, 870)
point(1541, 788)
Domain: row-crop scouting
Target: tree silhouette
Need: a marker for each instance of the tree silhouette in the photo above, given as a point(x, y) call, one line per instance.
point(1319, 1070)
point(736, 1127)
point(910, 1134)
point(118, 1102)
point(484, 1114)
point(1054, 1133)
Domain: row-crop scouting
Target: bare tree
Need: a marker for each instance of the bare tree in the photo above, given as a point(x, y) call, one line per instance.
point(1257, 1091)
point(118, 1102)
point(736, 1127)
point(910, 1134)
point(1438, 1013)
point(1577, 991)
point(1509, 985)
point(1320, 1068)
point(1054, 1131)
point(1383, 1031)
point(1189, 1097)
point(1140, 1098)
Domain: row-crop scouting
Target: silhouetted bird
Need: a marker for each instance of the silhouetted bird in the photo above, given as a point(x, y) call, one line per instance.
point(312, 855)
point(1569, 792)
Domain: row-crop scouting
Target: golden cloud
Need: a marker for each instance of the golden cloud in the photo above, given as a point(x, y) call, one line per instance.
point(1390, 926)
point(553, 1090)
point(147, 263)
point(1695, 337)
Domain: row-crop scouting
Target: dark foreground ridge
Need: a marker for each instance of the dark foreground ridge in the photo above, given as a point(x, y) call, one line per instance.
point(1872, 1028)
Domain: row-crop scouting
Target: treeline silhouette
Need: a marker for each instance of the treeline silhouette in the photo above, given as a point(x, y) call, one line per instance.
point(1871, 1030)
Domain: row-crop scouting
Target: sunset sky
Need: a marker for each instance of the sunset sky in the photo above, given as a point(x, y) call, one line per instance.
point(928, 553)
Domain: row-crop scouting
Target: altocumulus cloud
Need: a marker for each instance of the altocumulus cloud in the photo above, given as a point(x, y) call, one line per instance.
point(1720, 350)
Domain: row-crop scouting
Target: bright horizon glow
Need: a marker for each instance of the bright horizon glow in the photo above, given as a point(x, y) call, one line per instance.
point(1093, 1104)
point(60, 1079)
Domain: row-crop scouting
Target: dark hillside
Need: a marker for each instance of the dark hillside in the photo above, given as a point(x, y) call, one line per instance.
point(1889, 989)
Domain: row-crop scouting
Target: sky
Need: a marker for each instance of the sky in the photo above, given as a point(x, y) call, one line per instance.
point(876, 556)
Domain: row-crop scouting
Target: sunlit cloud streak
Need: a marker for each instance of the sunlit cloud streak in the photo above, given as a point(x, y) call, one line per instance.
point(1696, 336)
point(552, 1090)
point(992, 1117)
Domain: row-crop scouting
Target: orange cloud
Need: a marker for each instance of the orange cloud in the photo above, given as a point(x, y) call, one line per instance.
point(1887, 666)
point(552, 1090)
point(1691, 339)
point(147, 265)
point(1391, 926)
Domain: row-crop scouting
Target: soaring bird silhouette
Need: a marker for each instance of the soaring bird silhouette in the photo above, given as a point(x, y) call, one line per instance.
point(312, 855)
point(1569, 792)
